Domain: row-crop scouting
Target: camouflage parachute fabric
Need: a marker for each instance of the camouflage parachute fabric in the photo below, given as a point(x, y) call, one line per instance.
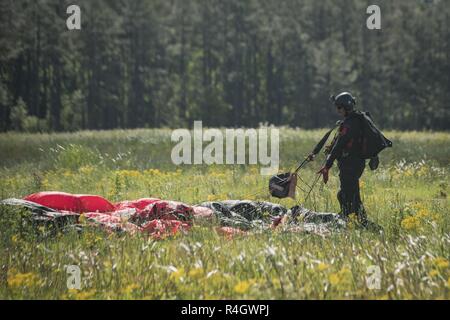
point(251, 215)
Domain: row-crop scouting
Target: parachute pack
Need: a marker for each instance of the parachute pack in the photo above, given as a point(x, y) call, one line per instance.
point(373, 140)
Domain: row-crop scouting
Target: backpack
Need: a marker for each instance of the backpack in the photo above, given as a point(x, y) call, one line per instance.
point(373, 140)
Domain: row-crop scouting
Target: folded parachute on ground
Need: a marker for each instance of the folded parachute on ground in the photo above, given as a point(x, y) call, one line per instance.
point(162, 218)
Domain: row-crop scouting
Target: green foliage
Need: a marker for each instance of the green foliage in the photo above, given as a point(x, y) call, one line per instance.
point(21, 121)
point(18, 115)
point(72, 109)
point(158, 63)
point(74, 156)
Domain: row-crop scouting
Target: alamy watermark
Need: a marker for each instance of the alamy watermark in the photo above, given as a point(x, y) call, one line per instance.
point(73, 277)
point(228, 147)
point(374, 20)
point(73, 22)
point(373, 279)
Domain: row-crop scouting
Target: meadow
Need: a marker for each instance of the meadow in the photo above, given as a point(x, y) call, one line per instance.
point(407, 196)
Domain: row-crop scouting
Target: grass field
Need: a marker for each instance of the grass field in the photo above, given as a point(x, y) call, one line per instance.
point(407, 195)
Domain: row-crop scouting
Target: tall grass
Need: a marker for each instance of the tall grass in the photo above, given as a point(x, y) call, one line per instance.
point(407, 196)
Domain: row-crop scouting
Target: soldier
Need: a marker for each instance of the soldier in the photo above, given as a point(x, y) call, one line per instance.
point(346, 149)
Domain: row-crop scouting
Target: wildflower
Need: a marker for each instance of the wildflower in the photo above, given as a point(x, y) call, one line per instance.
point(130, 288)
point(129, 173)
point(86, 170)
point(153, 172)
point(322, 266)
point(276, 283)
point(423, 213)
point(82, 295)
point(196, 273)
point(341, 278)
point(16, 280)
point(212, 197)
point(410, 223)
point(334, 279)
point(433, 273)
point(67, 173)
point(441, 262)
point(82, 218)
point(242, 286)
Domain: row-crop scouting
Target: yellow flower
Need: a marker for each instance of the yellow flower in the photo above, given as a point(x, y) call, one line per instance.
point(334, 279)
point(196, 273)
point(212, 197)
point(16, 280)
point(81, 295)
point(423, 213)
point(423, 171)
point(129, 173)
point(433, 273)
point(341, 278)
point(68, 173)
point(441, 262)
point(130, 288)
point(409, 172)
point(242, 287)
point(276, 283)
point(418, 206)
point(82, 218)
point(86, 170)
point(322, 266)
point(410, 223)
point(153, 172)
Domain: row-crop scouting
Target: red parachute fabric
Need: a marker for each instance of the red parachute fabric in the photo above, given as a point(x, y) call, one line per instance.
point(160, 229)
point(78, 203)
point(56, 200)
point(90, 203)
point(166, 210)
point(156, 217)
point(230, 232)
point(139, 204)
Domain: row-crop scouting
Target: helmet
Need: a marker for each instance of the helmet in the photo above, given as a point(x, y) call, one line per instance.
point(345, 100)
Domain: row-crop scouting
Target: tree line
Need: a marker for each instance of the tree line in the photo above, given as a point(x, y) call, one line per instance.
point(229, 63)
